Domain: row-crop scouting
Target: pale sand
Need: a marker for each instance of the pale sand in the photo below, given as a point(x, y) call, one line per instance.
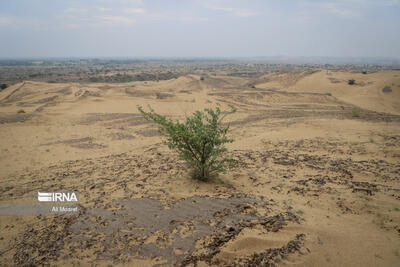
point(305, 153)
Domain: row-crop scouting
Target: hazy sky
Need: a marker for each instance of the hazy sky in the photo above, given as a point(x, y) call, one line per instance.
point(199, 28)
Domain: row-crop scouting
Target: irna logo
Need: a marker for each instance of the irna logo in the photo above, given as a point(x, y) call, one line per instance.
point(58, 196)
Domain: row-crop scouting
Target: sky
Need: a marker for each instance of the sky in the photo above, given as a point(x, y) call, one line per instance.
point(199, 28)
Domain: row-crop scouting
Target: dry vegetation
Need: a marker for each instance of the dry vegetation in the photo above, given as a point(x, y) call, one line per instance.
point(319, 187)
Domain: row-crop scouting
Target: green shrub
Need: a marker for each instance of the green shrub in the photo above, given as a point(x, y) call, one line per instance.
point(200, 140)
point(328, 94)
point(351, 82)
point(355, 113)
point(201, 78)
point(3, 86)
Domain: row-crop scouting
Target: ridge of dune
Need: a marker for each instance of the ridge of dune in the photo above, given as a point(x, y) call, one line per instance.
point(379, 91)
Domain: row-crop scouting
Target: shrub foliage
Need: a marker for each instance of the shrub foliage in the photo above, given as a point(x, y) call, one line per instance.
point(200, 140)
point(355, 113)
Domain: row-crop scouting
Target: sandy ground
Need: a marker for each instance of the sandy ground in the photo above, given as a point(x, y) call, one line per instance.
point(319, 184)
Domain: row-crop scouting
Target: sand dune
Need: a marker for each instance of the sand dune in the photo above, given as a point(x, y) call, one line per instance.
point(320, 186)
point(378, 91)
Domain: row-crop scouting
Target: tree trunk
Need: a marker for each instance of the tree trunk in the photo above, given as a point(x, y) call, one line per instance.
point(203, 173)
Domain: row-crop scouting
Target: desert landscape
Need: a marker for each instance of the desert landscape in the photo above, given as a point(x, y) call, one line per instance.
point(319, 183)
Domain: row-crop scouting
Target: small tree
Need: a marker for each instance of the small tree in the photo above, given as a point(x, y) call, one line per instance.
point(199, 140)
point(351, 82)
